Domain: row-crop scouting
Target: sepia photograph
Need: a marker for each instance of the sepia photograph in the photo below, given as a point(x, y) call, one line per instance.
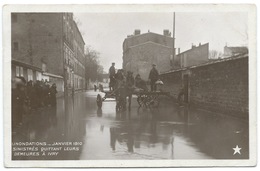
point(129, 85)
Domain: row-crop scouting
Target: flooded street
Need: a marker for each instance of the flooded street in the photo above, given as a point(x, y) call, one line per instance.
point(166, 132)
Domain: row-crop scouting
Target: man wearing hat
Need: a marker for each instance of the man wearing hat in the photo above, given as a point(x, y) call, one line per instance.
point(112, 74)
point(153, 76)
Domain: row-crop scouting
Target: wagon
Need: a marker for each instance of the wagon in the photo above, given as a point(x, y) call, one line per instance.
point(144, 98)
point(150, 99)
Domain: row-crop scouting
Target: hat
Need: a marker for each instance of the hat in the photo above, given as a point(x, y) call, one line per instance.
point(113, 62)
point(154, 65)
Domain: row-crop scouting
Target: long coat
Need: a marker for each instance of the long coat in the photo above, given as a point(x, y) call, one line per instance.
point(154, 75)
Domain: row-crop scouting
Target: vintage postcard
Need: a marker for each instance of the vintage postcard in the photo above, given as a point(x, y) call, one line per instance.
point(129, 85)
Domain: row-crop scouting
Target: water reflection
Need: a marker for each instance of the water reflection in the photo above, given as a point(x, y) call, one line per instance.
point(166, 132)
point(99, 112)
point(61, 123)
point(140, 134)
point(113, 137)
point(172, 133)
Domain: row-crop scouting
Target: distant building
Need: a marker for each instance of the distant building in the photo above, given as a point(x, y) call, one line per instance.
point(194, 56)
point(48, 46)
point(105, 77)
point(140, 51)
point(231, 51)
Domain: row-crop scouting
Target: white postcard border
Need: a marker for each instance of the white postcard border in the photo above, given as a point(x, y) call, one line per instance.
point(7, 9)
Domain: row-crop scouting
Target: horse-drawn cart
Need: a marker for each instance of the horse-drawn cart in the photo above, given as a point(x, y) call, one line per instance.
point(150, 99)
point(144, 98)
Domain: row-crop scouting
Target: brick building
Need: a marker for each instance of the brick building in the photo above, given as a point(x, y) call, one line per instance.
point(48, 46)
point(194, 56)
point(140, 51)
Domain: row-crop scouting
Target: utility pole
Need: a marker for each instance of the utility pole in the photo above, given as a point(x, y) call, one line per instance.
point(173, 41)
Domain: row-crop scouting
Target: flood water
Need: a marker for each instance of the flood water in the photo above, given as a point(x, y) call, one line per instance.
point(166, 132)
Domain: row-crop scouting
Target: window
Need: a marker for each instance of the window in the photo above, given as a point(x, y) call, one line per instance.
point(44, 67)
point(38, 76)
point(17, 73)
point(14, 18)
point(16, 46)
point(21, 71)
point(30, 74)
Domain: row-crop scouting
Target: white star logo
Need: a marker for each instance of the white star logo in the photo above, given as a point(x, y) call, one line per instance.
point(237, 150)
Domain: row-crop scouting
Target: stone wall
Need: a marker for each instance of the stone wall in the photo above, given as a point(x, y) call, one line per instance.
point(220, 86)
point(172, 83)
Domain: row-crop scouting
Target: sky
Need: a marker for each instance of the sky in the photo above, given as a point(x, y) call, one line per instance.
point(105, 32)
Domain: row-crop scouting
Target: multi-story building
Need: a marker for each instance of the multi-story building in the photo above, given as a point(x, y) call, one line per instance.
point(74, 58)
point(48, 46)
point(194, 56)
point(140, 51)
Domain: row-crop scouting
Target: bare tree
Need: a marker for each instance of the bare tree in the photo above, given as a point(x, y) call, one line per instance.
point(93, 68)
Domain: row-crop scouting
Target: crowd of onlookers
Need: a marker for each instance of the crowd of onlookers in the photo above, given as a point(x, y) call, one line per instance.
point(27, 96)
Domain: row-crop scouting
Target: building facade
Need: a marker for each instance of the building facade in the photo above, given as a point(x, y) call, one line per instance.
point(192, 57)
point(140, 51)
point(48, 46)
point(231, 51)
point(73, 52)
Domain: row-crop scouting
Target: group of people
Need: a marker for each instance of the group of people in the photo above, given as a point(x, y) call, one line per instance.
point(138, 82)
point(100, 87)
point(123, 84)
point(30, 95)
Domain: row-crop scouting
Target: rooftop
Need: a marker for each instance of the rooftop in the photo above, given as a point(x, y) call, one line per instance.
point(194, 47)
point(239, 56)
point(238, 49)
point(134, 36)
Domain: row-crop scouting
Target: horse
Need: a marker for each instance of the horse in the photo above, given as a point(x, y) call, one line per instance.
point(101, 88)
point(124, 90)
point(130, 84)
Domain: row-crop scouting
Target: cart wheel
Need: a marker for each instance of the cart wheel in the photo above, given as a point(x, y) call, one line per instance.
point(155, 101)
point(141, 99)
point(99, 101)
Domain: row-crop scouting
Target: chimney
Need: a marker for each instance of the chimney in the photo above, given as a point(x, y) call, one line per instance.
point(137, 32)
point(166, 32)
point(199, 44)
point(193, 46)
point(179, 50)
